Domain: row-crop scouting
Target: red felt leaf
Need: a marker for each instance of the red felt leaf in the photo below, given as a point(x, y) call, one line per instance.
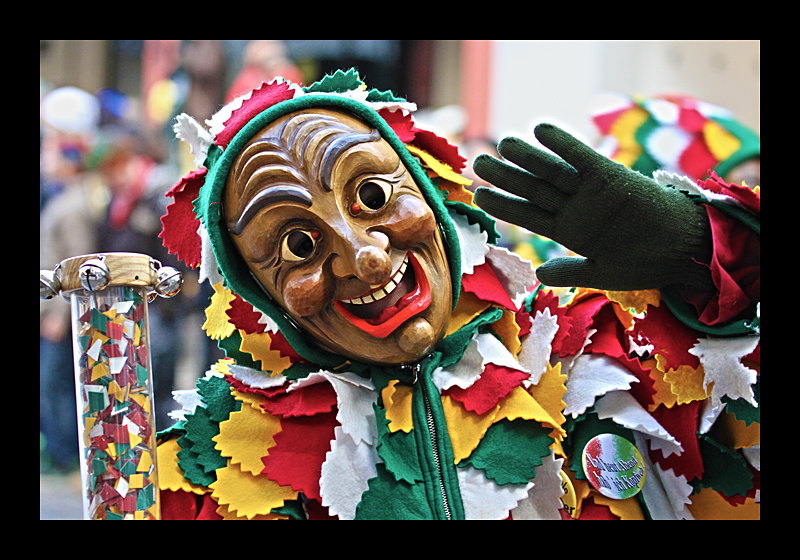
point(307, 401)
point(299, 451)
point(545, 299)
point(180, 224)
point(608, 338)
point(524, 321)
point(402, 125)
point(494, 384)
point(440, 148)
point(748, 197)
point(582, 314)
point(280, 344)
point(596, 512)
point(681, 421)
point(244, 316)
point(483, 282)
point(242, 387)
point(669, 337)
point(645, 390)
point(266, 96)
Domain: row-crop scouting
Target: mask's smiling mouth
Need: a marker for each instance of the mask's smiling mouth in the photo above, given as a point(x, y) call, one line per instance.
point(380, 311)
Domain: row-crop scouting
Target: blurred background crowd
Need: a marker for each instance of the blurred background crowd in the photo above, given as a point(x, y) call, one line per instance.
point(108, 154)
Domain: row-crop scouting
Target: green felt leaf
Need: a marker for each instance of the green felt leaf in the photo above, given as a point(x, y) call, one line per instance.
point(511, 451)
point(388, 498)
point(726, 471)
point(398, 450)
point(743, 410)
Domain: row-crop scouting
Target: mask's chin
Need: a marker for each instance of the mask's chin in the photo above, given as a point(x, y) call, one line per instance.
point(382, 310)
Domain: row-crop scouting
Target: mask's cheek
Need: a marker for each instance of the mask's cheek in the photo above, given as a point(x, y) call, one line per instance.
point(307, 293)
point(412, 222)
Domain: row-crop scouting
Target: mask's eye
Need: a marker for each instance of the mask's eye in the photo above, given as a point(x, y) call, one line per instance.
point(373, 194)
point(298, 245)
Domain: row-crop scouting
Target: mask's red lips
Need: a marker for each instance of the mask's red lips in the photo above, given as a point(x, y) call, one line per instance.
point(416, 300)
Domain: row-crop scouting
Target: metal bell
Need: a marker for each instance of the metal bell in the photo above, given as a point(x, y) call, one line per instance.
point(169, 282)
point(94, 275)
point(49, 284)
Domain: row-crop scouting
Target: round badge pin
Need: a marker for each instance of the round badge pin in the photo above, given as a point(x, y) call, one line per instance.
point(613, 466)
point(569, 499)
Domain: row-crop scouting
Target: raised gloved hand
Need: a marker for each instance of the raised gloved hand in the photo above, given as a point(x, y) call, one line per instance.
point(631, 233)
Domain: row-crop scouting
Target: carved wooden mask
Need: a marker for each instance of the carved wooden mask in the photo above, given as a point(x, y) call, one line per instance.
point(337, 232)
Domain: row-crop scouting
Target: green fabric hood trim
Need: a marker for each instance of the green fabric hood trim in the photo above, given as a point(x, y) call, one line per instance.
point(208, 208)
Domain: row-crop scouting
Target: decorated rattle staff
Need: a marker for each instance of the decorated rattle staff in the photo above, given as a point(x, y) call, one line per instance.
point(108, 294)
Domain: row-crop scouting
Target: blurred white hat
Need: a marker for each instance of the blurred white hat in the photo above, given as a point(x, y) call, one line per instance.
point(72, 110)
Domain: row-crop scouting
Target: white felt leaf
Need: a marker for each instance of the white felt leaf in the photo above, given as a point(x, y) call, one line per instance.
point(473, 243)
point(198, 138)
point(515, 273)
point(345, 474)
point(537, 346)
point(625, 410)
point(721, 359)
point(484, 499)
point(544, 499)
point(591, 376)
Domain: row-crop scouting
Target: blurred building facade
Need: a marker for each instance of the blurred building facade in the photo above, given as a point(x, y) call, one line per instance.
point(503, 87)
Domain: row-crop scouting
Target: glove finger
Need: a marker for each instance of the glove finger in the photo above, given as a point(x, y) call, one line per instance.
point(549, 167)
point(515, 210)
point(574, 152)
point(519, 182)
point(568, 271)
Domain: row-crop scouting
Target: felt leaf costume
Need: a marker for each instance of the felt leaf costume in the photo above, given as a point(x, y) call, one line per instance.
point(478, 428)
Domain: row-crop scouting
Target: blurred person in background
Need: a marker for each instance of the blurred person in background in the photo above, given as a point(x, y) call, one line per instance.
point(67, 227)
point(131, 223)
point(264, 60)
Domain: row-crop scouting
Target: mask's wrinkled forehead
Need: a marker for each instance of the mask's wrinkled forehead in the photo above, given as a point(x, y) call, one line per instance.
point(293, 152)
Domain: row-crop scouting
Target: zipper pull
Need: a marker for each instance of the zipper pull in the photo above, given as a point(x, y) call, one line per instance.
point(409, 373)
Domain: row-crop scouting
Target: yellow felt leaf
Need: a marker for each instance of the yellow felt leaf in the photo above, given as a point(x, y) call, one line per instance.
point(456, 192)
point(246, 436)
point(248, 495)
point(469, 306)
point(441, 169)
point(685, 382)
point(520, 404)
point(638, 300)
point(708, 504)
point(170, 475)
point(664, 394)
point(735, 433)
point(721, 143)
point(257, 345)
point(217, 325)
point(465, 427)
point(508, 330)
point(227, 515)
point(549, 393)
point(397, 400)
point(627, 509)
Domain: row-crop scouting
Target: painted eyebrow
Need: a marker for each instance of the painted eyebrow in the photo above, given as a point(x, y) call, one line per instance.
point(282, 193)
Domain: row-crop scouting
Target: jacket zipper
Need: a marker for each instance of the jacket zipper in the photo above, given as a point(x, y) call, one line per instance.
point(435, 447)
point(432, 432)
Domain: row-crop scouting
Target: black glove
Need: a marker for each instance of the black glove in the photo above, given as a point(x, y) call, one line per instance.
point(632, 233)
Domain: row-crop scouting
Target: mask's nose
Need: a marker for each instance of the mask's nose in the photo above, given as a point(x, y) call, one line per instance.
point(367, 259)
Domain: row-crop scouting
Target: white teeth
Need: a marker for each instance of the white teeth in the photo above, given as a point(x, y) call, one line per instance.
point(384, 291)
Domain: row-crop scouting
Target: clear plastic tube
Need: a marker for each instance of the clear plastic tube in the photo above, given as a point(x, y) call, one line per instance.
point(114, 383)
